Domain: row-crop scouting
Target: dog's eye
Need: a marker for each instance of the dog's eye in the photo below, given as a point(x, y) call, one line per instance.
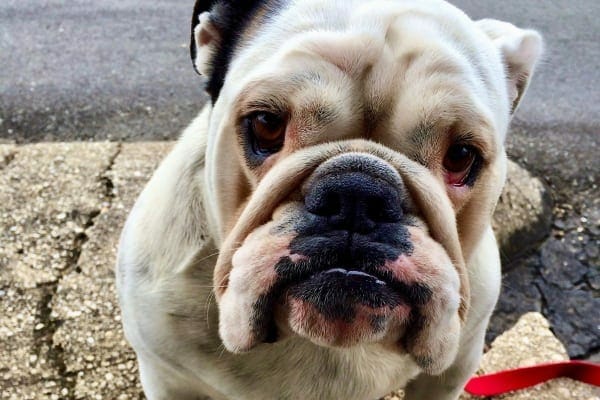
point(458, 161)
point(266, 131)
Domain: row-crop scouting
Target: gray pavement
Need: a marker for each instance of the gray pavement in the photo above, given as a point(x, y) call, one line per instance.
point(120, 68)
point(83, 69)
point(564, 92)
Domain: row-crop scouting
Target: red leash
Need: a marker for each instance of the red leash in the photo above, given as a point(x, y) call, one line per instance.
point(521, 378)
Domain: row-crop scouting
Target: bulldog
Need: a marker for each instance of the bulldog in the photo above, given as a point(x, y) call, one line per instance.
point(322, 229)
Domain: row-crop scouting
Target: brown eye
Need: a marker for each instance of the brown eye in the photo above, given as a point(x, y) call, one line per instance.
point(458, 162)
point(266, 131)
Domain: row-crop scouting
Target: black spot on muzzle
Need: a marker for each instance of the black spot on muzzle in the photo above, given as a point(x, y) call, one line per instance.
point(353, 201)
point(335, 294)
point(355, 218)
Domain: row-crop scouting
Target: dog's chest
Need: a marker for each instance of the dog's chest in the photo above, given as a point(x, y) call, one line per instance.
point(296, 369)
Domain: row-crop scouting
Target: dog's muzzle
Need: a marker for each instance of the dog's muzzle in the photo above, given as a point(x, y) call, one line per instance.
point(345, 256)
point(353, 221)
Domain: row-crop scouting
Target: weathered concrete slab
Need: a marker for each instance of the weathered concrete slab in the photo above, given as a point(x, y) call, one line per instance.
point(95, 350)
point(131, 170)
point(47, 390)
point(49, 194)
point(25, 357)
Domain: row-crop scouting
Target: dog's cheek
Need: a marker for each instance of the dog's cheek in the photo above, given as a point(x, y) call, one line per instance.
point(253, 263)
point(234, 325)
point(253, 269)
point(434, 336)
point(245, 306)
point(427, 264)
point(436, 346)
point(251, 278)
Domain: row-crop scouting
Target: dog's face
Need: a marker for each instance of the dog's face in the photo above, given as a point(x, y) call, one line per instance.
point(354, 158)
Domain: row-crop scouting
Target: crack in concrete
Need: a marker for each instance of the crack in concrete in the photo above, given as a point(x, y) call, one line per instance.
point(543, 300)
point(44, 337)
point(106, 179)
point(7, 159)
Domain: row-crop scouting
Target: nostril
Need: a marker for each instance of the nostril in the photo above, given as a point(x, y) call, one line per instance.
point(330, 205)
point(375, 209)
point(380, 209)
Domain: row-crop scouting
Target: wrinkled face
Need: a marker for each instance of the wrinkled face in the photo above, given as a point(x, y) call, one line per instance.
point(351, 171)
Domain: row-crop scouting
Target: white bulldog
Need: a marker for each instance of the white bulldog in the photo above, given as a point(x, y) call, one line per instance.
point(322, 229)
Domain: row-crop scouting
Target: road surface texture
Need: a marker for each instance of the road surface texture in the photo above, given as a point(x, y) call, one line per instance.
point(121, 69)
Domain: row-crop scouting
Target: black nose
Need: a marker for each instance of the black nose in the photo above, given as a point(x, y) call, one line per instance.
point(354, 201)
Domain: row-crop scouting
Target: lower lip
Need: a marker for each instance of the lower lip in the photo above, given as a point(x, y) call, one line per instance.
point(341, 307)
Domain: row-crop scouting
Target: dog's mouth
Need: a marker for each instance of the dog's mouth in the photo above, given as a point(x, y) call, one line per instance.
point(353, 277)
point(340, 306)
point(283, 284)
point(336, 289)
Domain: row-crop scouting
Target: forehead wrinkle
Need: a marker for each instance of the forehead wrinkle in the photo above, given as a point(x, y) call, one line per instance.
point(351, 52)
point(405, 51)
point(433, 81)
point(378, 87)
point(457, 123)
point(425, 109)
point(445, 48)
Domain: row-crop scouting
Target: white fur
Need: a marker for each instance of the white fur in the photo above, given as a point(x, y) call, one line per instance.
point(172, 237)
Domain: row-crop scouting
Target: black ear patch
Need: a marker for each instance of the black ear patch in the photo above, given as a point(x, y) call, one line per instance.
point(230, 18)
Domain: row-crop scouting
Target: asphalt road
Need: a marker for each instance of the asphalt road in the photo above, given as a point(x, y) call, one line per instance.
point(120, 68)
point(82, 69)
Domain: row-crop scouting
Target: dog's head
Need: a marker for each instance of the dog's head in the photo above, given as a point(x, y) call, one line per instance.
point(355, 154)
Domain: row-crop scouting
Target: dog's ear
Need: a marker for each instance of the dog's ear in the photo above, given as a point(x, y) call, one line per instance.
point(520, 50)
point(205, 37)
point(217, 29)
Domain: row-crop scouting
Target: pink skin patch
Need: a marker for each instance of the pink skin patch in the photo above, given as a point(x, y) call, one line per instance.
point(434, 345)
point(251, 277)
point(368, 325)
point(253, 262)
point(427, 264)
